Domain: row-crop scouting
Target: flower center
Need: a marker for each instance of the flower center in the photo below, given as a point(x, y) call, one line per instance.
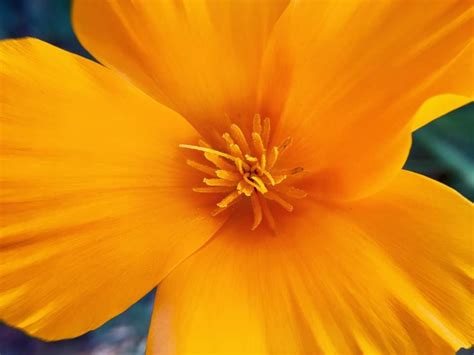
point(245, 167)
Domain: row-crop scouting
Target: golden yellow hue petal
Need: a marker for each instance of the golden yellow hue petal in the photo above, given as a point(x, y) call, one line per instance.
point(431, 238)
point(455, 78)
point(346, 77)
point(377, 276)
point(436, 107)
point(95, 202)
point(201, 58)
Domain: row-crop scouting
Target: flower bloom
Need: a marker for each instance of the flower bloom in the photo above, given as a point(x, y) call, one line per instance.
point(245, 156)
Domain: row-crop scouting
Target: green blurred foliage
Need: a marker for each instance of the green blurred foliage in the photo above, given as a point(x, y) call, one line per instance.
point(444, 150)
point(45, 19)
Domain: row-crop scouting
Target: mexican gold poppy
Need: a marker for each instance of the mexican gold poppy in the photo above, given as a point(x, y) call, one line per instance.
point(246, 157)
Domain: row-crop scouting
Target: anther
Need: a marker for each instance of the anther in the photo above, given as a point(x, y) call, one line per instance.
point(291, 191)
point(257, 123)
point(240, 166)
point(257, 184)
point(218, 182)
point(235, 149)
point(258, 143)
point(272, 158)
point(250, 158)
point(229, 199)
point(228, 175)
point(246, 168)
point(218, 161)
point(207, 150)
point(239, 138)
point(214, 189)
point(270, 178)
point(275, 197)
point(244, 187)
point(228, 139)
point(266, 131)
point(201, 167)
point(285, 144)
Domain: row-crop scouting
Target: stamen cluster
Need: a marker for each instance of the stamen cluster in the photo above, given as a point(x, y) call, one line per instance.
point(245, 167)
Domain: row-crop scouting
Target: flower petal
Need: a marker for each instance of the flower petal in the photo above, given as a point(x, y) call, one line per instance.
point(201, 58)
point(349, 76)
point(436, 107)
point(384, 275)
point(452, 80)
point(431, 239)
point(94, 206)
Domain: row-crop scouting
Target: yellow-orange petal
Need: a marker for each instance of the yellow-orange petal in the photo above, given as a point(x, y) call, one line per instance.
point(94, 207)
point(451, 87)
point(346, 78)
point(201, 58)
point(431, 239)
point(385, 275)
point(436, 107)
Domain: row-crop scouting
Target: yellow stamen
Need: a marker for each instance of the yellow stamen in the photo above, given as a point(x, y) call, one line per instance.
point(218, 161)
point(257, 123)
point(275, 197)
point(239, 138)
point(244, 187)
point(213, 189)
point(219, 210)
point(266, 131)
point(272, 158)
point(201, 167)
point(207, 150)
point(257, 183)
point(279, 179)
point(260, 183)
point(291, 191)
point(236, 152)
point(229, 199)
point(228, 139)
point(228, 175)
point(218, 182)
point(270, 178)
point(263, 160)
point(258, 143)
point(240, 166)
point(250, 158)
point(245, 168)
point(285, 144)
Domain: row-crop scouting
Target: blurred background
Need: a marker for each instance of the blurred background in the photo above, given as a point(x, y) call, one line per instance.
point(443, 150)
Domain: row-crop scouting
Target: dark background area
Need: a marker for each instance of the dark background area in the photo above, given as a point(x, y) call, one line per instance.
point(443, 150)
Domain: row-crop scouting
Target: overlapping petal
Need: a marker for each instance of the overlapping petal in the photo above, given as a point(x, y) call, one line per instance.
point(451, 88)
point(383, 275)
point(95, 196)
point(95, 203)
point(346, 78)
point(201, 58)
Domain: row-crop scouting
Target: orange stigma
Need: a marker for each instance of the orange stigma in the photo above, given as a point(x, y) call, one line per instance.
point(246, 168)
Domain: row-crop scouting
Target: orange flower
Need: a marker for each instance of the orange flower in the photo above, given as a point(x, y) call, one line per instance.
point(295, 119)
